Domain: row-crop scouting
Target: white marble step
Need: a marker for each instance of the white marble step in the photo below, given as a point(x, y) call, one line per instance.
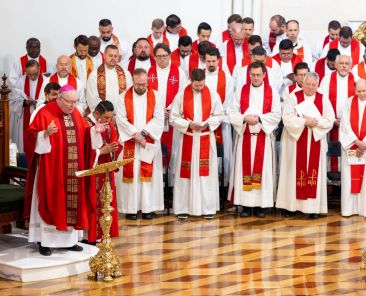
point(21, 261)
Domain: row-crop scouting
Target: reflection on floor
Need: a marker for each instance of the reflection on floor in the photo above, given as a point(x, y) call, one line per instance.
point(227, 256)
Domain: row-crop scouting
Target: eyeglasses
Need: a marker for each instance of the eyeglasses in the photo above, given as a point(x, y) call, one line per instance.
point(69, 103)
point(162, 56)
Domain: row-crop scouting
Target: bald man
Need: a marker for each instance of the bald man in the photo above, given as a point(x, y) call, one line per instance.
point(63, 77)
point(352, 134)
point(234, 49)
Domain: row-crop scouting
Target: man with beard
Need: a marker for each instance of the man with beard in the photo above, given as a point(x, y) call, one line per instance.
point(94, 51)
point(81, 63)
point(64, 77)
point(325, 66)
point(108, 81)
point(183, 52)
point(33, 48)
point(277, 26)
point(107, 37)
point(141, 56)
point(140, 121)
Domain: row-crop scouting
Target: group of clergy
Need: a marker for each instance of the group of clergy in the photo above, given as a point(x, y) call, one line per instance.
point(270, 102)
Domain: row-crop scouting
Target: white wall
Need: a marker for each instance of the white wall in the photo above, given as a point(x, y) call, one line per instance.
point(57, 23)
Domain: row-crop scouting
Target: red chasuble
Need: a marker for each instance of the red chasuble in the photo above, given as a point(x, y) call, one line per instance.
point(41, 61)
point(187, 146)
point(334, 132)
point(307, 175)
point(95, 183)
point(61, 195)
point(26, 109)
point(146, 169)
point(172, 90)
point(357, 171)
point(252, 173)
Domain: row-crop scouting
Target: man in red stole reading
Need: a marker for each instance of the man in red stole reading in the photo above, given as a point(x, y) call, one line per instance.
point(196, 113)
point(55, 199)
point(103, 113)
point(352, 133)
point(255, 115)
point(307, 117)
point(140, 121)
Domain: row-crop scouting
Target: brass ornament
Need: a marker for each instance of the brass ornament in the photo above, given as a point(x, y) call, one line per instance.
point(360, 33)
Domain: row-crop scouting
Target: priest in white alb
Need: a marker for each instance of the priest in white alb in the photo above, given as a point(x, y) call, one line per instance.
point(140, 121)
point(197, 112)
point(307, 117)
point(352, 133)
point(255, 114)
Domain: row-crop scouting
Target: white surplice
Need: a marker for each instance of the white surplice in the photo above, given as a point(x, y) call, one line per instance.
point(198, 195)
point(227, 139)
point(112, 87)
point(17, 97)
point(145, 196)
point(81, 104)
point(351, 203)
point(299, 44)
point(344, 50)
point(293, 128)
point(263, 197)
point(265, 39)
point(97, 60)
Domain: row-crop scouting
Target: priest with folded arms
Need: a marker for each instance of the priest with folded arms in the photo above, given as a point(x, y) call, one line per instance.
point(352, 135)
point(307, 117)
point(255, 114)
point(140, 121)
point(55, 200)
point(196, 114)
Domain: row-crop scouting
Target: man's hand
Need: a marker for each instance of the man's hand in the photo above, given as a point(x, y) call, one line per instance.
point(166, 113)
point(194, 127)
point(337, 122)
point(251, 119)
point(108, 148)
point(138, 138)
point(360, 145)
point(310, 121)
point(51, 129)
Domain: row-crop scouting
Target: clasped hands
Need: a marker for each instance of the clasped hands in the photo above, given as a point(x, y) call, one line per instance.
point(310, 121)
point(140, 139)
point(361, 148)
point(251, 119)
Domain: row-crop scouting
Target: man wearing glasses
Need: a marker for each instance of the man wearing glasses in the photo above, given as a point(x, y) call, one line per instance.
point(55, 200)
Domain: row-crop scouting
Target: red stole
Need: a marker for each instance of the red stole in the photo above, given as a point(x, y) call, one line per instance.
point(195, 46)
point(252, 179)
point(71, 80)
point(355, 49)
point(307, 176)
point(291, 88)
point(221, 90)
point(187, 146)
point(41, 61)
point(151, 43)
point(361, 70)
point(294, 60)
point(272, 40)
point(326, 41)
point(175, 58)
point(320, 68)
point(300, 52)
point(26, 109)
point(357, 171)
point(225, 35)
point(231, 56)
point(132, 64)
point(146, 169)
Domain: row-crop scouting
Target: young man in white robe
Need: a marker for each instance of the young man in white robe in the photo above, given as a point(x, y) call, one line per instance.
point(197, 112)
point(220, 81)
point(157, 34)
point(307, 117)
point(255, 114)
point(33, 48)
point(325, 66)
point(174, 30)
point(334, 27)
point(140, 122)
point(107, 81)
point(63, 77)
point(141, 57)
point(352, 134)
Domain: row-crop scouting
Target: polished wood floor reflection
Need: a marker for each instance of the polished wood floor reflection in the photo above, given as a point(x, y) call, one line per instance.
point(227, 256)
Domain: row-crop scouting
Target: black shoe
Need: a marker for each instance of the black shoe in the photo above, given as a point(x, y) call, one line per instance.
point(147, 216)
point(85, 241)
point(246, 212)
point(131, 216)
point(208, 217)
point(259, 212)
point(287, 213)
point(75, 248)
point(45, 251)
point(314, 216)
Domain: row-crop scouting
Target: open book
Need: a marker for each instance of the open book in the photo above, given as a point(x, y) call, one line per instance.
point(308, 108)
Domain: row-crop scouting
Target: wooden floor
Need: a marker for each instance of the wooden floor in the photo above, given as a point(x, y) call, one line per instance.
point(227, 256)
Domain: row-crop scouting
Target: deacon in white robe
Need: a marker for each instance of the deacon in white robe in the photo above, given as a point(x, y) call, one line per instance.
point(255, 93)
point(198, 193)
point(317, 127)
point(137, 193)
point(353, 198)
point(111, 87)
